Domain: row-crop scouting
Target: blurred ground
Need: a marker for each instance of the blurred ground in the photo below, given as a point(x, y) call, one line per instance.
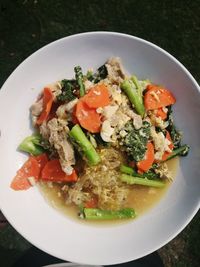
point(27, 25)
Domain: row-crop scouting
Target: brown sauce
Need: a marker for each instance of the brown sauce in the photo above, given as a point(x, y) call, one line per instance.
point(141, 198)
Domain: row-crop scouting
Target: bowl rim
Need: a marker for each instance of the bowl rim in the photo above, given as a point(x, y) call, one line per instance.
point(108, 33)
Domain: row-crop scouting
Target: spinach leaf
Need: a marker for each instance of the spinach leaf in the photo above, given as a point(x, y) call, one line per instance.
point(68, 87)
point(135, 142)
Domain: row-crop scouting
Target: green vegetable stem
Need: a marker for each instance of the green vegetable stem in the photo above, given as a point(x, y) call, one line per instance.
point(98, 214)
point(134, 92)
point(79, 79)
point(88, 149)
point(141, 181)
point(128, 170)
point(181, 151)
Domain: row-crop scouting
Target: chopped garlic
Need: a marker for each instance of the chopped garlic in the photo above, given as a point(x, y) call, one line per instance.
point(50, 184)
point(71, 104)
point(109, 111)
point(32, 180)
point(88, 84)
point(99, 110)
point(164, 109)
point(68, 170)
point(122, 133)
point(106, 131)
point(155, 96)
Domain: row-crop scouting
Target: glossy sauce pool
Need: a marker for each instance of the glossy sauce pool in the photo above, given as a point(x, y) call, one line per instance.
point(141, 198)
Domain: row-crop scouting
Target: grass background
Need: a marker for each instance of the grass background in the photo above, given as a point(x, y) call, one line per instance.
point(27, 25)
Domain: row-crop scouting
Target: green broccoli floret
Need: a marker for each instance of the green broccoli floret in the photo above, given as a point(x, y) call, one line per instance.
point(135, 142)
point(31, 144)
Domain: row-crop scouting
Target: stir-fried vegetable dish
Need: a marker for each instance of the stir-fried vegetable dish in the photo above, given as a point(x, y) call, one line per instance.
point(98, 135)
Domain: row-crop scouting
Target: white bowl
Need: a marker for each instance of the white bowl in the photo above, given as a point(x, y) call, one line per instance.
point(47, 228)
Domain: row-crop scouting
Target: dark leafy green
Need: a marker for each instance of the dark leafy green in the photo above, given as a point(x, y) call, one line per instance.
point(174, 133)
point(135, 142)
point(99, 75)
point(68, 88)
point(180, 151)
point(99, 140)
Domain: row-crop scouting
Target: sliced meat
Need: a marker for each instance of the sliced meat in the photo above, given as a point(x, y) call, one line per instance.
point(116, 73)
point(59, 139)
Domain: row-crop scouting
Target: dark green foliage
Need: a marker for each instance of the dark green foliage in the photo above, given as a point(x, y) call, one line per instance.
point(174, 133)
point(68, 87)
point(135, 142)
point(180, 151)
point(99, 140)
point(99, 75)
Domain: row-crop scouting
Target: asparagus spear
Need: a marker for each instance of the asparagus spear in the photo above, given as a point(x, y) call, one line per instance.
point(141, 181)
point(89, 151)
point(134, 95)
point(98, 214)
point(181, 151)
point(131, 171)
point(79, 78)
point(31, 144)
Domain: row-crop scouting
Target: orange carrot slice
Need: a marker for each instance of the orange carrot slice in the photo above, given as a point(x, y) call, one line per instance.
point(42, 160)
point(92, 203)
point(53, 172)
point(98, 96)
point(160, 113)
point(145, 164)
point(29, 169)
point(88, 118)
point(47, 104)
point(157, 97)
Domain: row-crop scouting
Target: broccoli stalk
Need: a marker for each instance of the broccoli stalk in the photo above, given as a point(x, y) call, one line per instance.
point(89, 151)
point(134, 92)
point(137, 85)
point(141, 181)
point(32, 145)
point(181, 151)
point(127, 170)
point(98, 214)
point(79, 79)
